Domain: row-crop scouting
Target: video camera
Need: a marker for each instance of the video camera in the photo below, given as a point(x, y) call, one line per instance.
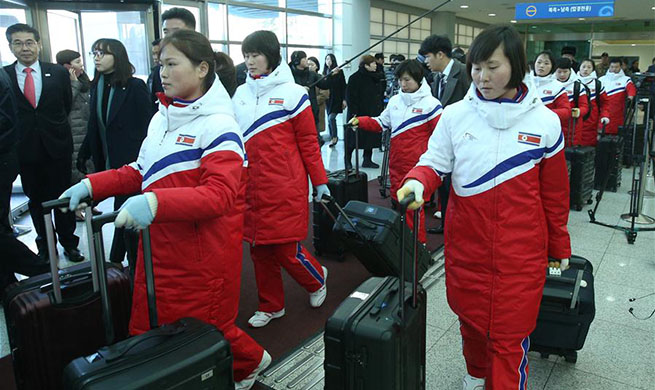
point(645, 83)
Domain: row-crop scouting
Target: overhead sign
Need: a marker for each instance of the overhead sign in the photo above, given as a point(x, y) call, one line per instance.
point(564, 9)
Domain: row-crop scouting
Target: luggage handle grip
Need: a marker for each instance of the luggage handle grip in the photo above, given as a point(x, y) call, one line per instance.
point(382, 302)
point(164, 331)
point(99, 221)
point(59, 203)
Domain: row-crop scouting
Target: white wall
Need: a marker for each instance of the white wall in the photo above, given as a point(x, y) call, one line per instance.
point(645, 53)
point(351, 30)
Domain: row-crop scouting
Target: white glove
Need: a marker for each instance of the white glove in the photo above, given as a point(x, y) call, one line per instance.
point(321, 189)
point(604, 120)
point(76, 193)
point(412, 187)
point(137, 212)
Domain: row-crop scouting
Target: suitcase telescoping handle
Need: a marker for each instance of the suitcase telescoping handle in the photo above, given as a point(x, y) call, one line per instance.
point(96, 226)
point(48, 207)
point(346, 127)
point(404, 204)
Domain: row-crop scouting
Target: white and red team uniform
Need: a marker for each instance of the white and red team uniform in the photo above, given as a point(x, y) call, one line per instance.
point(583, 105)
point(278, 129)
point(507, 213)
point(193, 161)
point(411, 118)
point(618, 87)
point(599, 109)
point(553, 94)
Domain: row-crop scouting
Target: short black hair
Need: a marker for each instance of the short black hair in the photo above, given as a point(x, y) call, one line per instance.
point(412, 67)
point(180, 13)
point(315, 61)
point(400, 57)
point(227, 73)
point(615, 60)
point(569, 50)
point(489, 40)
point(22, 27)
point(156, 42)
point(379, 56)
point(264, 42)
point(604, 54)
point(296, 57)
point(551, 58)
point(593, 65)
point(436, 43)
point(67, 56)
point(563, 63)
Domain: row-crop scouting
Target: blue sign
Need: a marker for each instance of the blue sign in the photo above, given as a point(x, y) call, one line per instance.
point(564, 9)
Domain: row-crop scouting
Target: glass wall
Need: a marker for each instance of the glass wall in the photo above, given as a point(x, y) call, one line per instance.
point(464, 34)
point(299, 24)
point(407, 41)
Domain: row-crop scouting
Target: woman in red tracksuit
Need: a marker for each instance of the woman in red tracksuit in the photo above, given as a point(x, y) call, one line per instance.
point(578, 100)
point(508, 209)
point(549, 90)
point(190, 172)
point(278, 128)
point(599, 110)
point(411, 115)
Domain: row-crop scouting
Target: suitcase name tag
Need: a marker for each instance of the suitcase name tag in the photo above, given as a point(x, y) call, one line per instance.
point(359, 295)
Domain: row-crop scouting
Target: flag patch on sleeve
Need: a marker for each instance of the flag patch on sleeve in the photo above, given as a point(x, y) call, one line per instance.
point(529, 139)
point(186, 140)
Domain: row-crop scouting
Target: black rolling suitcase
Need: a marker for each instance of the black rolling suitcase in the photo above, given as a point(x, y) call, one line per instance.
point(609, 155)
point(581, 179)
point(376, 337)
point(373, 234)
point(344, 185)
point(51, 321)
point(633, 144)
point(187, 354)
point(566, 312)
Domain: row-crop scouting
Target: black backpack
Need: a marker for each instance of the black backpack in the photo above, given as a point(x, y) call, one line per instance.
point(576, 97)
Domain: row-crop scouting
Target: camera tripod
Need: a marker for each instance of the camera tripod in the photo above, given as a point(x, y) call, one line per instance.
point(639, 173)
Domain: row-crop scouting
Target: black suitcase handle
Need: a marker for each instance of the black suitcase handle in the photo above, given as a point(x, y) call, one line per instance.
point(167, 330)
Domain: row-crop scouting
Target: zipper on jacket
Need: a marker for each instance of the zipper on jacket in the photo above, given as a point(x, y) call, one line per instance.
point(493, 239)
point(168, 128)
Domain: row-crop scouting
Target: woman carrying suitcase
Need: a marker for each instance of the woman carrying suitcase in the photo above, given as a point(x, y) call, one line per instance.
point(190, 172)
point(411, 115)
point(599, 110)
point(510, 206)
point(276, 118)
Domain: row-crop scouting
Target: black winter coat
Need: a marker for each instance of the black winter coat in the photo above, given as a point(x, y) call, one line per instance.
point(306, 78)
point(129, 116)
point(365, 97)
point(337, 84)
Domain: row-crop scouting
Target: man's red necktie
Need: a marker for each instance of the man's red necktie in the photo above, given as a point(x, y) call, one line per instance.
point(28, 90)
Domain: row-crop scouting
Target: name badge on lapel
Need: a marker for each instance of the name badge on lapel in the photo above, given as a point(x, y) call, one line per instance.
point(47, 75)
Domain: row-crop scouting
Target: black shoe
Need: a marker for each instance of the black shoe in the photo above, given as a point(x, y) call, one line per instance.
point(436, 230)
point(370, 164)
point(74, 255)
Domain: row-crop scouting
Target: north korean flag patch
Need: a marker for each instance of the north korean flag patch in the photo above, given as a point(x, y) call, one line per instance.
point(548, 92)
point(275, 102)
point(529, 139)
point(417, 110)
point(185, 140)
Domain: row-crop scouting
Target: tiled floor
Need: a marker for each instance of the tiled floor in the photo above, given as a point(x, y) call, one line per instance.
point(619, 351)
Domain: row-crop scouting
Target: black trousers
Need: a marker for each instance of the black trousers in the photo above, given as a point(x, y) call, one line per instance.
point(8, 173)
point(125, 240)
point(16, 257)
point(43, 181)
point(444, 192)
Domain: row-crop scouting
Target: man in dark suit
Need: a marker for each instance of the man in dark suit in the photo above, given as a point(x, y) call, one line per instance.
point(449, 86)
point(43, 97)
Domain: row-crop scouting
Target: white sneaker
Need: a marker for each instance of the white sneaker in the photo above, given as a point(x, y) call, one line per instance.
point(262, 318)
point(437, 214)
point(473, 383)
point(250, 380)
point(317, 298)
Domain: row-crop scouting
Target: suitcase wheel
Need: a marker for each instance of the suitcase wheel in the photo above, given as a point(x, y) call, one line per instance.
point(590, 201)
point(383, 192)
point(571, 357)
point(578, 207)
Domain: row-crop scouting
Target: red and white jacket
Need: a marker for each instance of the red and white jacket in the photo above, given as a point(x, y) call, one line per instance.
point(618, 87)
point(278, 129)
point(411, 118)
point(193, 160)
point(583, 105)
point(553, 94)
point(508, 208)
point(599, 109)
